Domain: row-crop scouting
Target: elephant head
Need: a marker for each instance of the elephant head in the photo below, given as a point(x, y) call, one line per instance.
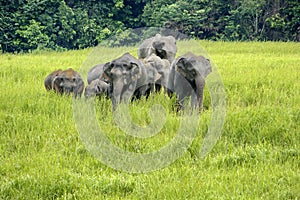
point(192, 66)
point(162, 68)
point(66, 82)
point(49, 79)
point(97, 87)
point(123, 74)
point(163, 46)
point(187, 77)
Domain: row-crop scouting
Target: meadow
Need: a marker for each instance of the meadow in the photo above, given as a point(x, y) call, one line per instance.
point(257, 155)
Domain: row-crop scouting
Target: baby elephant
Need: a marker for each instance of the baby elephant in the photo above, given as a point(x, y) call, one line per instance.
point(162, 67)
point(65, 82)
point(97, 87)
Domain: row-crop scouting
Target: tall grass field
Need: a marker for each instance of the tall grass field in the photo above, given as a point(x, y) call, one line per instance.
point(257, 155)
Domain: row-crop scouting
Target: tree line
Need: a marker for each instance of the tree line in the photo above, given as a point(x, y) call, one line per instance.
point(27, 25)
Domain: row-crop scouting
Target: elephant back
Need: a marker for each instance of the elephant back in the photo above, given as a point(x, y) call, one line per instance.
point(95, 73)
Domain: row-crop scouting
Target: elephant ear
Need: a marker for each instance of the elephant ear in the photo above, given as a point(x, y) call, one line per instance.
point(158, 45)
point(135, 71)
point(107, 71)
point(204, 66)
point(160, 49)
point(77, 78)
point(49, 79)
point(186, 67)
point(97, 87)
point(208, 68)
point(181, 62)
point(57, 84)
point(79, 85)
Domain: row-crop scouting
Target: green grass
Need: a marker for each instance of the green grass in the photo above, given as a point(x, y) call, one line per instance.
point(256, 157)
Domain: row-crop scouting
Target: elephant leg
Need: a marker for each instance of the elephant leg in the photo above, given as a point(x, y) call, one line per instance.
point(126, 96)
point(115, 101)
point(164, 83)
point(156, 87)
point(79, 89)
point(145, 90)
point(194, 101)
point(127, 93)
point(182, 100)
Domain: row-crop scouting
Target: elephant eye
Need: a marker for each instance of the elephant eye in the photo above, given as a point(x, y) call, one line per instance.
point(74, 79)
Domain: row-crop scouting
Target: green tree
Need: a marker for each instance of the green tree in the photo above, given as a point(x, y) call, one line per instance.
point(69, 24)
point(283, 22)
point(31, 36)
point(194, 17)
point(9, 24)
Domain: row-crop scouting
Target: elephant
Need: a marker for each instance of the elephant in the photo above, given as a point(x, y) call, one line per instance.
point(97, 84)
point(162, 46)
point(162, 67)
point(97, 87)
point(49, 78)
point(151, 77)
point(65, 82)
point(128, 76)
point(95, 73)
point(187, 78)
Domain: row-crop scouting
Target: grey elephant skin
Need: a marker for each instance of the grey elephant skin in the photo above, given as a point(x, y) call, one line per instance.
point(128, 76)
point(98, 88)
point(65, 82)
point(187, 78)
point(97, 84)
point(162, 46)
point(162, 70)
point(95, 72)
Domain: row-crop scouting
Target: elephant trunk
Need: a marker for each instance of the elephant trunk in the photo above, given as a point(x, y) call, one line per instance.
point(69, 87)
point(117, 87)
point(200, 83)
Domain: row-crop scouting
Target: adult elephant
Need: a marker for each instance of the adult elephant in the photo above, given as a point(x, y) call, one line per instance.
point(95, 72)
point(127, 76)
point(187, 78)
point(65, 82)
point(162, 46)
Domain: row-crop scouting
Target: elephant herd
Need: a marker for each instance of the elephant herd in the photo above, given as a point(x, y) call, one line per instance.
point(128, 77)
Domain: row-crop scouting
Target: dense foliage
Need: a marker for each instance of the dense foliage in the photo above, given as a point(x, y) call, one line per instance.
point(67, 24)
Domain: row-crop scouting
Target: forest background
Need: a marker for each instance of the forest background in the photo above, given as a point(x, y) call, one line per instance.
point(27, 25)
